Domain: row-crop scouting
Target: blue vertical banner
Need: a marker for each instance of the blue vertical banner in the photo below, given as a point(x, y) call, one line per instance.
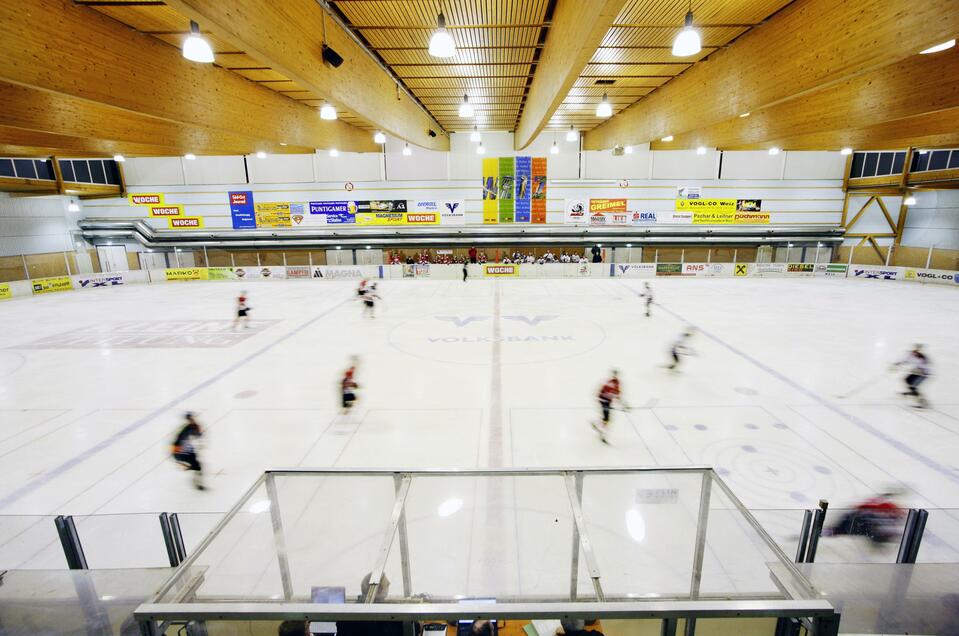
point(524, 186)
point(241, 209)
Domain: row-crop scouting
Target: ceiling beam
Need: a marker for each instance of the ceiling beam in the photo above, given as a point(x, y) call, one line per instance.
point(918, 85)
point(35, 117)
point(288, 36)
point(576, 30)
point(808, 45)
point(75, 51)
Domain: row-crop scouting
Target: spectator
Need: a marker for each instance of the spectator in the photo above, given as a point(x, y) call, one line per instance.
point(482, 628)
point(575, 627)
point(371, 628)
point(472, 254)
point(597, 254)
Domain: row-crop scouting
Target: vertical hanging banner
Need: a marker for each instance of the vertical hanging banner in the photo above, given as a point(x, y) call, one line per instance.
point(538, 193)
point(523, 189)
point(507, 177)
point(241, 209)
point(490, 190)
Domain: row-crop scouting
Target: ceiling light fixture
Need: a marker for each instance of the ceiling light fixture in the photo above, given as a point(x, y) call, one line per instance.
point(328, 112)
point(379, 138)
point(466, 109)
point(572, 135)
point(701, 150)
point(846, 151)
point(480, 150)
point(604, 108)
point(407, 151)
point(687, 42)
point(334, 152)
point(441, 43)
point(189, 156)
point(746, 114)
point(667, 138)
point(628, 150)
point(554, 149)
point(260, 154)
point(475, 135)
point(119, 158)
point(283, 143)
point(939, 47)
point(195, 47)
point(909, 200)
point(774, 150)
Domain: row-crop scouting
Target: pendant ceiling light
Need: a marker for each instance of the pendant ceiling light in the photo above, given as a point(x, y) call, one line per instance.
point(475, 135)
point(687, 42)
point(407, 151)
point(379, 138)
point(195, 47)
point(572, 135)
point(466, 109)
point(334, 152)
point(119, 158)
point(604, 108)
point(328, 112)
point(554, 149)
point(441, 44)
point(480, 150)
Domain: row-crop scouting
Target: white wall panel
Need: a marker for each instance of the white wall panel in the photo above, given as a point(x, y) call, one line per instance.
point(602, 164)
point(814, 164)
point(685, 164)
point(33, 225)
point(934, 220)
point(422, 165)
point(281, 169)
point(148, 171)
point(752, 164)
point(215, 170)
point(349, 166)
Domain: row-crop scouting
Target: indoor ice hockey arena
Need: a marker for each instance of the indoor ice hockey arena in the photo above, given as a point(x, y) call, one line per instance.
point(479, 317)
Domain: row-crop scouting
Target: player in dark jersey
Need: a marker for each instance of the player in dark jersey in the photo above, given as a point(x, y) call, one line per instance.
point(648, 295)
point(184, 449)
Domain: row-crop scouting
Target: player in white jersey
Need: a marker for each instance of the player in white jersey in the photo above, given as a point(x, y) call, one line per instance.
point(919, 368)
point(681, 348)
point(648, 295)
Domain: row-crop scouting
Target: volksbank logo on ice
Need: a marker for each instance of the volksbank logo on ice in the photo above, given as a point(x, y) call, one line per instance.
point(463, 321)
point(529, 321)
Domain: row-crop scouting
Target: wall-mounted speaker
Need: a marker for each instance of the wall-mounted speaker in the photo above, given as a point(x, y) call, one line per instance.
point(331, 57)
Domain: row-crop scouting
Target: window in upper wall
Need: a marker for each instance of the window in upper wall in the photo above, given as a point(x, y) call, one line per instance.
point(885, 163)
point(857, 160)
point(869, 168)
point(920, 161)
point(66, 169)
point(96, 171)
point(898, 162)
point(44, 169)
point(25, 168)
point(82, 171)
point(939, 160)
point(877, 164)
point(6, 168)
point(954, 159)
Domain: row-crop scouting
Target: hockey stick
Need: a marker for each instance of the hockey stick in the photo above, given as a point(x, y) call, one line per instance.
point(860, 387)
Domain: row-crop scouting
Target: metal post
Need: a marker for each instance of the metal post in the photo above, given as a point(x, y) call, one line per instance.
point(709, 255)
point(656, 257)
point(818, 519)
point(70, 541)
point(928, 258)
point(309, 257)
point(668, 627)
point(284, 259)
point(232, 260)
point(177, 537)
point(907, 531)
point(574, 562)
point(682, 255)
point(66, 261)
point(258, 258)
point(804, 536)
point(176, 256)
point(399, 505)
point(279, 540)
point(912, 536)
point(206, 257)
point(826, 626)
point(700, 549)
point(171, 553)
point(888, 254)
point(404, 542)
point(584, 542)
point(817, 252)
point(26, 270)
point(735, 254)
point(852, 248)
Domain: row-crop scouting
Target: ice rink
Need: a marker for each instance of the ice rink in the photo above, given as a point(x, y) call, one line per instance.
point(490, 373)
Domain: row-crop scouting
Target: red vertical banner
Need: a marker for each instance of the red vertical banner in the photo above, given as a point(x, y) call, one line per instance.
point(538, 203)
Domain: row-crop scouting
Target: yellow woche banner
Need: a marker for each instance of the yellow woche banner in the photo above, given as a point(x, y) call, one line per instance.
point(50, 285)
point(5, 291)
point(490, 191)
point(706, 204)
point(160, 211)
point(186, 273)
point(273, 215)
point(496, 269)
point(397, 218)
point(185, 222)
point(145, 198)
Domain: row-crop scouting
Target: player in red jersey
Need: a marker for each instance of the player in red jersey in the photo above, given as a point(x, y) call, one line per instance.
point(609, 393)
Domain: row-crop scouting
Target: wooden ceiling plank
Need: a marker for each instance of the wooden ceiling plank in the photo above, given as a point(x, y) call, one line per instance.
point(807, 45)
point(285, 35)
point(576, 30)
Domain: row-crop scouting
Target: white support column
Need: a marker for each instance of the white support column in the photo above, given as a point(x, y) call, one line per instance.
point(232, 260)
point(928, 257)
point(176, 256)
point(682, 256)
point(284, 259)
point(852, 248)
point(709, 255)
point(258, 258)
point(309, 257)
point(888, 255)
point(26, 270)
point(66, 261)
point(735, 254)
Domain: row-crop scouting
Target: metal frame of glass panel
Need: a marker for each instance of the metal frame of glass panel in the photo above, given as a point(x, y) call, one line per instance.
point(820, 615)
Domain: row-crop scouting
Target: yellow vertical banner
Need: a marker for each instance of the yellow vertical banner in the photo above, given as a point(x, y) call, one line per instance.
point(490, 191)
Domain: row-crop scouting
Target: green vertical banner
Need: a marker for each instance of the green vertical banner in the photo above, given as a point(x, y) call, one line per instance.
point(507, 176)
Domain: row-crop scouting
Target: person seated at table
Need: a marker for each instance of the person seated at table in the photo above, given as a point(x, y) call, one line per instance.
point(575, 627)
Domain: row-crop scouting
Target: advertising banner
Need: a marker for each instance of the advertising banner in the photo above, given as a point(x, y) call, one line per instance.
point(940, 276)
point(607, 205)
point(161, 211)
point(185, 222)
point(741, 269)
point(91, 281)
point(397, 218)
point(5, 291)
point(246, 273)
point(523, 192)
point(490, 190)
point(50, 285)
point(833, 270)
point(749, 205)
point(669, 269)
point(334, 272)
point(538, 206)
point(751, 218)
point(714, 217)
point(688, 192)
point(220, 273)
point(642, 218)
point(801, 269)
point(186, 273)
point(507, 179)
point(450, 212)
point(707, 269)
point(494, 269)
point(329, 207)
point(609, 218)
point(576, 211)
point(379, 205)
point(676, 218)
point(695, 205)
point(769, 269)
point(635, 270)
point(273, 215)
point(241, 210)
point(875, 273)
point(297, 271)
point(146, 198)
